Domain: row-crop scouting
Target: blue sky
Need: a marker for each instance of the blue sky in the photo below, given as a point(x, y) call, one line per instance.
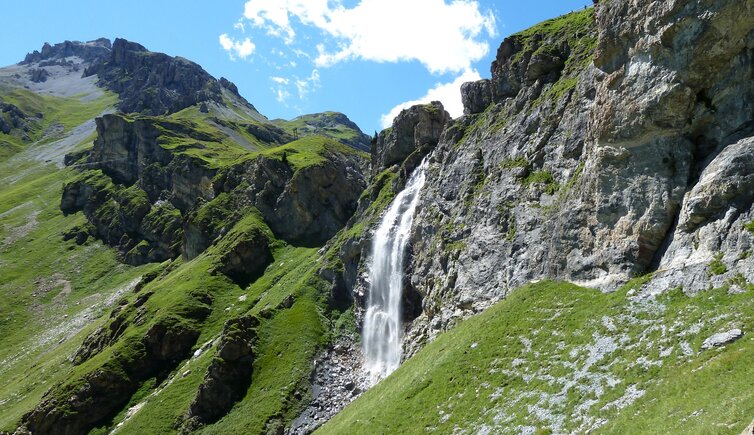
point(364, 58)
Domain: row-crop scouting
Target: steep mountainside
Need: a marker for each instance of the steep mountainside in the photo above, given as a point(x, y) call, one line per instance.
point(580, 259)
point(202, 200)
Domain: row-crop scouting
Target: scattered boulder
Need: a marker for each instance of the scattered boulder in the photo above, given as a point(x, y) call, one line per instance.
point(722, 338)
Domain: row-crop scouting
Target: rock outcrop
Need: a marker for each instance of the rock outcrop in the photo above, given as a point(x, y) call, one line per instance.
point(304, 205)
point(139, 191)
point(476, 96)
point(228, 376)
point(130, 150)
point(15, 121)
point(101, 393)
point(145, 195)
point(416, 128)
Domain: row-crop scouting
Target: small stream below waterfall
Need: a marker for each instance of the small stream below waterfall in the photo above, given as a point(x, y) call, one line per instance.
point(382, 332)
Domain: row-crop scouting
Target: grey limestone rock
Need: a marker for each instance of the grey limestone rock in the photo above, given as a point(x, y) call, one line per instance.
point(476, 96)
point(418, 127)
point(722, 338)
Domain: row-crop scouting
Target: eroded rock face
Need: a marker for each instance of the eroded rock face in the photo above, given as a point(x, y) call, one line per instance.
point(129, 151)
point(414, 128)
point(318, 201)
point(306, 206)
point(138, 201)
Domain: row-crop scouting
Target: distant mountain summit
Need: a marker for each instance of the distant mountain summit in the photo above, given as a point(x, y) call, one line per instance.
point(87, 51)
point(156, 84)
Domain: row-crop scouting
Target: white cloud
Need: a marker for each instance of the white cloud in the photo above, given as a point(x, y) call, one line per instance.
point(274, 15)
point(242, 49)
point(306, 85)
point(447, 93)
point(281, 94)
point(444, 37)
point(303, 86)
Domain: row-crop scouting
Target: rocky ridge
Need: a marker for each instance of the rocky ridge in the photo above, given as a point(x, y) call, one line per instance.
point(89, 52)
point(155, 83)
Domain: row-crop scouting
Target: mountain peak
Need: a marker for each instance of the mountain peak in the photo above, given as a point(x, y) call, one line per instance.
point(155, 83)
point(88, 51)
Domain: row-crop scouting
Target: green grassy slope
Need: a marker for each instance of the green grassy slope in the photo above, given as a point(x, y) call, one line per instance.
point(310, 151)
point(64, 113)
point(53, 290)
point(323, 124)
point(554, 356)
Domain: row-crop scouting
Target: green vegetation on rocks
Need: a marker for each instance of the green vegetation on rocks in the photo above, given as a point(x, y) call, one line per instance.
point(750, 227)
point(544, 178)
point(717, 266)
point(54, 290)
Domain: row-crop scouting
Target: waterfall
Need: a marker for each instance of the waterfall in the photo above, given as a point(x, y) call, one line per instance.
point(382, 323)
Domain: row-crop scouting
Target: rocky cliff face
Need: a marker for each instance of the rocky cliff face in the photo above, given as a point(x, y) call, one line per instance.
point(589, 157)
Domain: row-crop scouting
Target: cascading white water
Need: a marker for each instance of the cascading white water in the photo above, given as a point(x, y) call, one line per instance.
point(382, 323)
